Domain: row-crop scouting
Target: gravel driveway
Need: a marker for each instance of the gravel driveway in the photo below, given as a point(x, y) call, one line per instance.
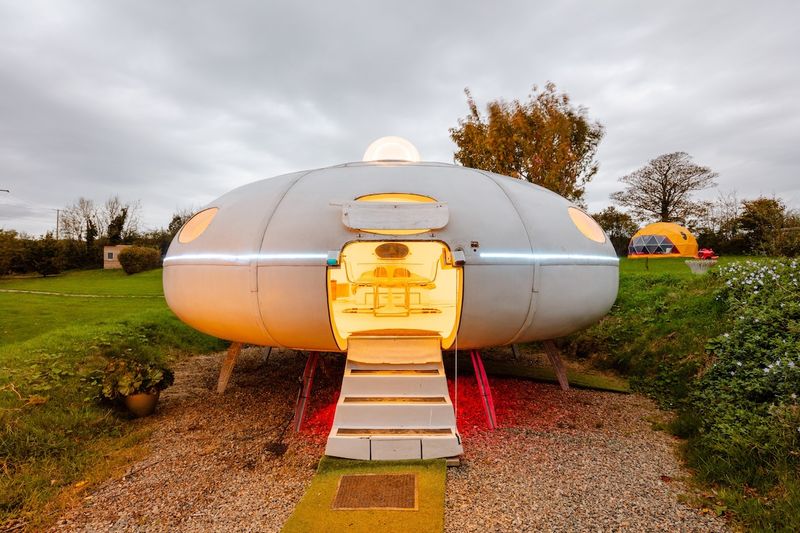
point(563, 461)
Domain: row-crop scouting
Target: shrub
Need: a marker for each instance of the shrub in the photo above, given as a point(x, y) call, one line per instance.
point(743, 415)
point(136, 259)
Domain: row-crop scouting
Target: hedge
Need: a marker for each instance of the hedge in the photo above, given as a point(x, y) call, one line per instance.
point(138, 259)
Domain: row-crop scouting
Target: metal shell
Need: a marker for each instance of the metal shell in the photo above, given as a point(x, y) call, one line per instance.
point(257, 274)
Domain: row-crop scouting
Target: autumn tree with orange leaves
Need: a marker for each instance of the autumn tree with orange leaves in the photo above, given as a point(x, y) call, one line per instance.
point(545, 140)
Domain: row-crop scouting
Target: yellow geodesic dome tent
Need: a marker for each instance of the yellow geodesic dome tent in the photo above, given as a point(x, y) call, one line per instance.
point(662, 239)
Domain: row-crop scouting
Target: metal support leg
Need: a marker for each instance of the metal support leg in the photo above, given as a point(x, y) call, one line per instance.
point(483, 386)
point(558, 365)
point(227, 366)
point(305, 390)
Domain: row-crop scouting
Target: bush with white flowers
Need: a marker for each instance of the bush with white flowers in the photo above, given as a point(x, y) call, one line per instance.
point(745, 406)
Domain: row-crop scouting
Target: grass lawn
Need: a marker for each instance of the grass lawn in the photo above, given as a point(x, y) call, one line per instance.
point(658, 328)
point(28, 315)
point(676, 266)
point(53, 442)
point(102, 282)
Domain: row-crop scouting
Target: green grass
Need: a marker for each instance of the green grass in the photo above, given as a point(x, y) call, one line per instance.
point(99, 282)
point(657, 330)
point(52, 437)
point(671, 266)
point(26, 316)
point(314, 512)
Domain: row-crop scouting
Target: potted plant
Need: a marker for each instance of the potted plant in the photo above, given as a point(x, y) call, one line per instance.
point(137, 383)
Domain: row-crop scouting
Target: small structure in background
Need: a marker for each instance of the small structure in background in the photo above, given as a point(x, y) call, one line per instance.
point(660, 240)
point(706, 258)
point(111, 255)
point(706, 253)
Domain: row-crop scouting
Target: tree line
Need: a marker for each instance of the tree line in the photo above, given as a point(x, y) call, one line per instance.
point(85, 228)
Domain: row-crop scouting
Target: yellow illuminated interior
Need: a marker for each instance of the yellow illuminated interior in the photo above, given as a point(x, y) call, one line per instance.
point(197, 225)
point(400, 197)
point(587, 225)
point(395, 288)
point(396, 197)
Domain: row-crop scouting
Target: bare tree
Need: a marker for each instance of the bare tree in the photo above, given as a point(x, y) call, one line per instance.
point(728, 209)
point(112, 209)
point(108, 211)
point(134, 220)
point(662, 188)
point(76, 218)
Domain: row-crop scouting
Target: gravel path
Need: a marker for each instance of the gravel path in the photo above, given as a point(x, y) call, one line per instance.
point(587, 461)
point(563, 461)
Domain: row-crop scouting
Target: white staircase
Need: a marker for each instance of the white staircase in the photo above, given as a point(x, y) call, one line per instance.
point(394, 402)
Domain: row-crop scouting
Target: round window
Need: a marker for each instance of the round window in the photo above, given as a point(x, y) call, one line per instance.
point(587, 225)
point(197, 225)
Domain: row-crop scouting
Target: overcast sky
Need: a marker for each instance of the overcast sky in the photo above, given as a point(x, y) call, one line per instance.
point(175, 103)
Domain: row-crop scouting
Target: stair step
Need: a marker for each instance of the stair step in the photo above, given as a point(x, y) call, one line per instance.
point(394, 402)
point(394, 432)
point(394, 372)
point(399, 415)
point(396, 399)
point(389, 350)
point(394, 385)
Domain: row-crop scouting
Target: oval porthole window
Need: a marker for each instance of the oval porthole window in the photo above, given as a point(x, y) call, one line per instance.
point(197, 225)
point(587, 225)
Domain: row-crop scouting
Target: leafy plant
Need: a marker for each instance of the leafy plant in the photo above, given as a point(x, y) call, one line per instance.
point(123, 377)
point(133, 366)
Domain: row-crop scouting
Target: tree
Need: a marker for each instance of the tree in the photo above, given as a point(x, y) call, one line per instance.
point(112, 209)
point(716, 224)
point(116, 227)
point(769, 227)
point(619, 226)
point(76, 218)
point(662, 188)
point(12, 249)
point(44, 255)
point(545, 140)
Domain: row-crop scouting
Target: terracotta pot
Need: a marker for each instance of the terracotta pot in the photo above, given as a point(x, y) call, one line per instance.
point(142, 404)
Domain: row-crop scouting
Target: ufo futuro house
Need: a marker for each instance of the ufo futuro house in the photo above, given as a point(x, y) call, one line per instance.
point(391, 260)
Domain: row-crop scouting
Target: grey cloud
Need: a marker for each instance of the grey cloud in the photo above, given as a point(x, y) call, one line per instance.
point(174, 103)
